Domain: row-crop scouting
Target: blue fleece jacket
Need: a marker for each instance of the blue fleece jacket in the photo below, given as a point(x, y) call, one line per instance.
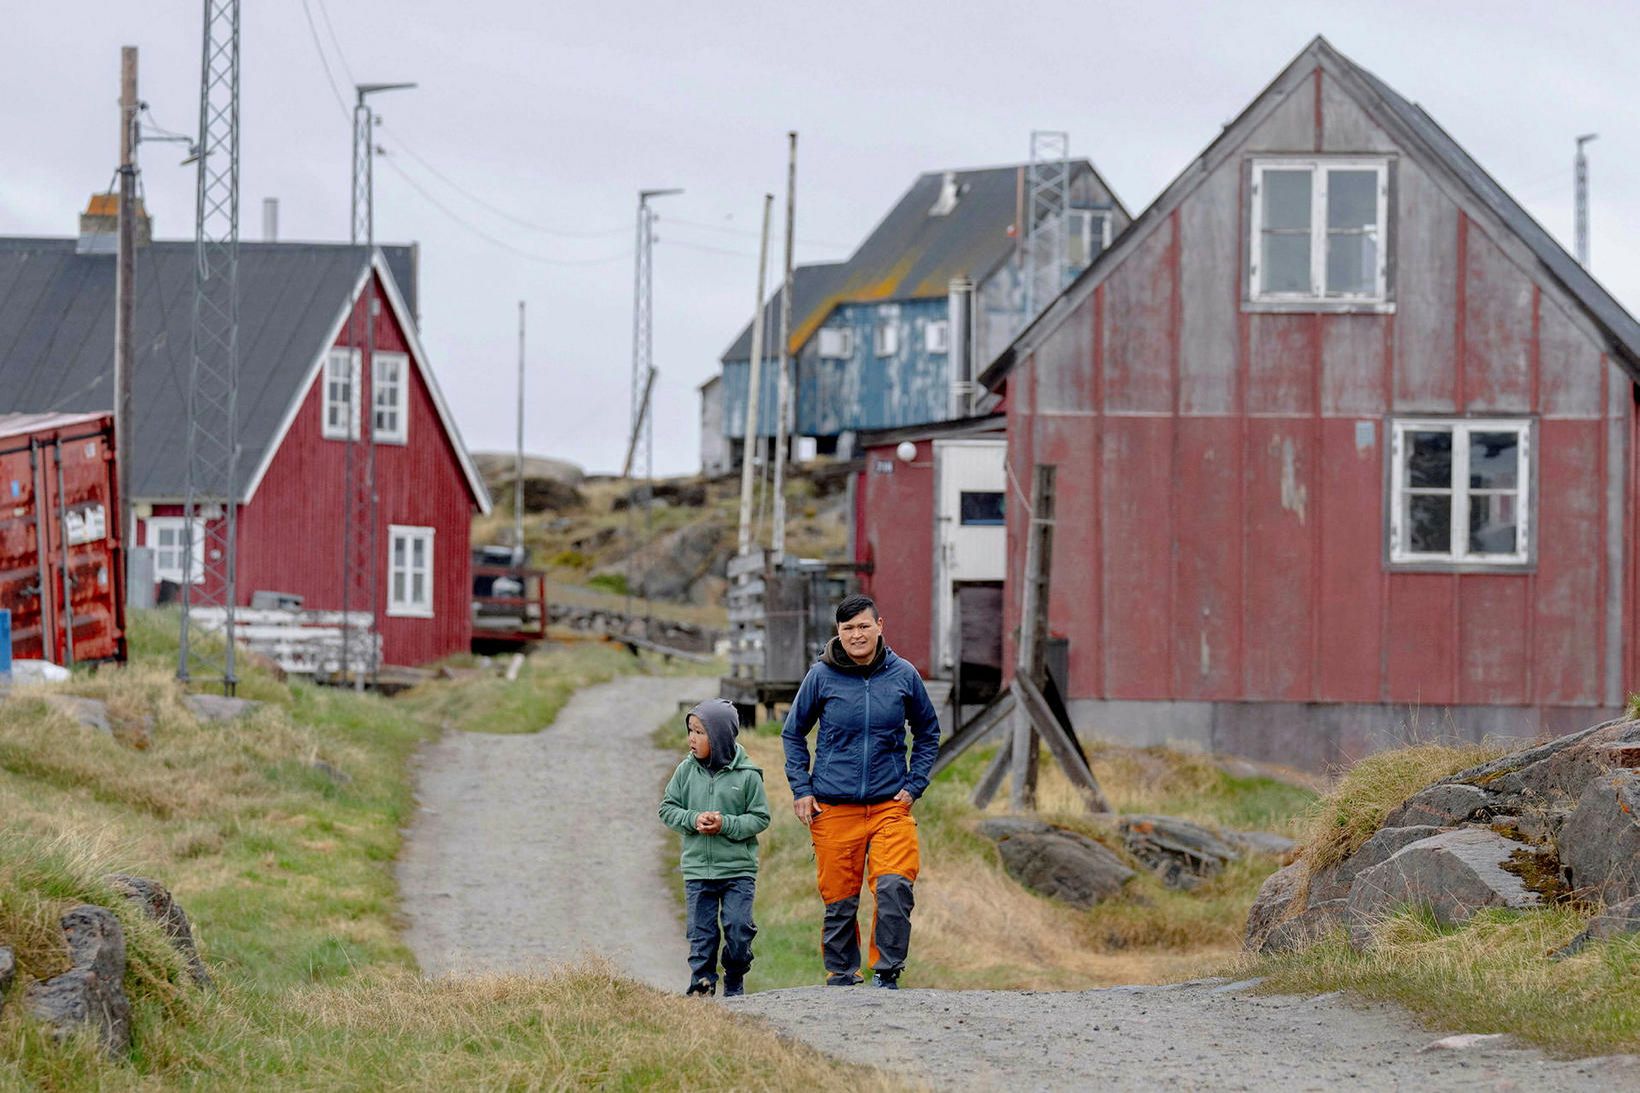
point(862, 711)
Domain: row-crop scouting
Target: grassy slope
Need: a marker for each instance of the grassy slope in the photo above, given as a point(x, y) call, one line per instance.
point(288, 877)
point(1492, 974)
point(975, 927)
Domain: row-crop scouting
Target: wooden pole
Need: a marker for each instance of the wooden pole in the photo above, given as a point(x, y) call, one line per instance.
point(518, 464)
point(754, 390)
point(777, 534)
point(125, 295)
point(1033, 632)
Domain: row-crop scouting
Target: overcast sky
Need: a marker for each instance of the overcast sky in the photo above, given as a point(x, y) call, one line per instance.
point(516, 163)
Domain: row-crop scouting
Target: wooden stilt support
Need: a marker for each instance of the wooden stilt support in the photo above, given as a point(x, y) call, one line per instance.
point(1061, 742)
point(994, 775)
point(995, 712)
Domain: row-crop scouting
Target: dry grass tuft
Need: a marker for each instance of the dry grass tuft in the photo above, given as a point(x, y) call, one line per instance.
point(1346, 817)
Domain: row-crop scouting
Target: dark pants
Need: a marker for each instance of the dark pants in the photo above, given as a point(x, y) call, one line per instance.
point(705, 901)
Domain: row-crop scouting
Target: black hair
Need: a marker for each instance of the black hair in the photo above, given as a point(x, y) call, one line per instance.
point(853, 605)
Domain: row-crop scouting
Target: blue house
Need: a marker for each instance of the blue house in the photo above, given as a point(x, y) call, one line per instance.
point(890, 336)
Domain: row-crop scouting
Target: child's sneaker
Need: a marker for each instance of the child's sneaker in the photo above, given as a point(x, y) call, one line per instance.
point(843, 979)
point(888, 981)
point(703, 986)
point(733, 985)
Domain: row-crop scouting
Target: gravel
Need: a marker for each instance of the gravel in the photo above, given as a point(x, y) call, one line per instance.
point(529, 851)
point(1210, 1034)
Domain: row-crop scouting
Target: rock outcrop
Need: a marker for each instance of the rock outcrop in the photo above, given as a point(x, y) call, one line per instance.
point(92, 991)
point(154, 900)
point(1181, 853)
point(8, 971)
point(1054, 862)
point(1562, 817)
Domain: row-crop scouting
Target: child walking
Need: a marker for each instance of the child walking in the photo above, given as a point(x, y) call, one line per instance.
point(715, 800)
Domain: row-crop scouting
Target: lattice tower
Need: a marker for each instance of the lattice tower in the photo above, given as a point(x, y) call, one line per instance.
point(1047, 202)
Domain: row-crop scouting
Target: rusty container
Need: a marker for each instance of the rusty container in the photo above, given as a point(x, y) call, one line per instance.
point(62, 563)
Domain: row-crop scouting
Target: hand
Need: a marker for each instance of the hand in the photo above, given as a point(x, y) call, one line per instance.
point(709, 823)
point(807, 808)
point(904, 795)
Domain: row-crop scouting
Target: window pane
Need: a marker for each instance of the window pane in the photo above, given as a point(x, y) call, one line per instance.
point(1429, 524)
point(982, 509)
point(1352, 199)
point(1287, 199)
point(418, 553)
point(398, 553)
point(1429, 460)
point(398, 586)
point(1286, 261)
point(1352, 264)
point(1493, 459)
point(1492, 523)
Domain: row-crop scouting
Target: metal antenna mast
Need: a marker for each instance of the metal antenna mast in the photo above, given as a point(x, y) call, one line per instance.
point(1047, 203)
point(360, 575)
point(783, 420)
point(640, 442)
point(210, 554)
point(1580, 174)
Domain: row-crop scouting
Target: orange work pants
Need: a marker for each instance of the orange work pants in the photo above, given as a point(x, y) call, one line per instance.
point(877, 844)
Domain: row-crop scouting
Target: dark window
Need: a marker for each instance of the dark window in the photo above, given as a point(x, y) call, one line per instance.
point(982, 509)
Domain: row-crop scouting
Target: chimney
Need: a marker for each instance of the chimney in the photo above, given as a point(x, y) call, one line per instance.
point(100, 225)
point(270, 220)
point(949, 192)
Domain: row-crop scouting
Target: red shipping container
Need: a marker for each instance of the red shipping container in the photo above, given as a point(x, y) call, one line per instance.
point(62, 565)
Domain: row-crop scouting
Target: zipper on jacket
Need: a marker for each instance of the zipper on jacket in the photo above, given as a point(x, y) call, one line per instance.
point(865, 744)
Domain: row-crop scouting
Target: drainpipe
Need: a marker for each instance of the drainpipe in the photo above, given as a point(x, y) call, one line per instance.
point(960, 346)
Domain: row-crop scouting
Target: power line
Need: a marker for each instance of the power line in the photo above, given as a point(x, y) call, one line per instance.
point(728, 230)
point(330, 77)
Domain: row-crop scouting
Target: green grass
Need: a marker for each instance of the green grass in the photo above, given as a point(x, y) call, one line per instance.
point(287, 874)
point(487, 702)
point(1634, 706)
point(977, 928)
point(1492, 974)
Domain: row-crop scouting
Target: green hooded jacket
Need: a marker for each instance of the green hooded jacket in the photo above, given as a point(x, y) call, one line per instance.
point(737, 792)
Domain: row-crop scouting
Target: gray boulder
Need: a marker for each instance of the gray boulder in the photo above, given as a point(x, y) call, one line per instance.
point(1058, 863)
point(91, 992)
point(8, 971)
point(1454, 874)
point(1261, 842)
point(1552, 774)
point(211, 708)
point(1277, 899)
point(154, 900)
point(1615, 921)
point(1183, 854)
point(90, 712)
point(1440, 805)
point(1600, 841)
point(1333, 883)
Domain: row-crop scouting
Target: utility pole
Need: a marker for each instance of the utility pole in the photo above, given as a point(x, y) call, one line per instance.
point(754, 390)
point(210, 506)
point(360, 586)
point(778, 533)
point(125, 283)
point(518, 465)
point(1580, 184)
point(641, 439)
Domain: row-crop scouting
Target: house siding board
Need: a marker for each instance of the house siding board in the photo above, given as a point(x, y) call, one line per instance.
point(1426, 297)
point(1277, 621)
point(1067, 443)
point(1210, 243)
point(1352, 373)
point(1350, 593)
point(1497, 330)
point(1347, 127)
point(1567, 357)
point(899, 543)
point(1207, 596)
point(1566, 660)
point(1138, 339)
point(1494, 641)
point(1421, 655)
point(1137, 546)
point(1281, 362)
point(290, 534)
point(1290, 125)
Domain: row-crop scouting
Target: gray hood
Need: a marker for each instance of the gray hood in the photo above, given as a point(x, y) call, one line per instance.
point(722, 723)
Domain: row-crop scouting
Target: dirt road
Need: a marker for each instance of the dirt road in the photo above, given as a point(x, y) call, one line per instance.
point(528, 851)
point(1208, 1035)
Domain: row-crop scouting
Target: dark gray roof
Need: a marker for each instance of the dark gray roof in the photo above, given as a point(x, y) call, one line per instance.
point(913, 254)
point(1605, 310)
point(57, 338)
point(810, 286)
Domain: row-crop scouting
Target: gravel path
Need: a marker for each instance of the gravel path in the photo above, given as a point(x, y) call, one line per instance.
point(1206, 1035)
point(534, 850)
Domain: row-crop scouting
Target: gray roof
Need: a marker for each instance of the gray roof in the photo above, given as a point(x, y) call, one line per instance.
point(57, 338)
point(913, 254)
point(811, 285)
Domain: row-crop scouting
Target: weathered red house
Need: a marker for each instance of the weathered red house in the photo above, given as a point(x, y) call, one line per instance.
point(1345, 440)
point(299, 383)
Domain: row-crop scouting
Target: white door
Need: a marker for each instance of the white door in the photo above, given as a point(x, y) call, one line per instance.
point(970, 534)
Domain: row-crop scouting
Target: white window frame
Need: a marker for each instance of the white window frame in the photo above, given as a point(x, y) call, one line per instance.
point(885, 332)
point(330, 409)
point(1459, 553)
point(406, 606)
point(153, 526)
point(400, 393)
point(842, 338)
point(1318, 167)
point(937, 336)
point(1081, 231)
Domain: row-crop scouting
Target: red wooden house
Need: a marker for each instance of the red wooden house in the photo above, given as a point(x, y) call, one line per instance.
point(1347, 447)
point(299, 383)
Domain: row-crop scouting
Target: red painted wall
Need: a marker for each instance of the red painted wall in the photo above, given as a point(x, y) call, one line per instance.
point(895, 533)
point(290, 535)
point(1221, 515)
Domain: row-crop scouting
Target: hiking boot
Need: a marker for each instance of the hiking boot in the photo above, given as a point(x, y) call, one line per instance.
point(843, 979)
point(733, 985)
point(888, 981)
point(702, 986)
